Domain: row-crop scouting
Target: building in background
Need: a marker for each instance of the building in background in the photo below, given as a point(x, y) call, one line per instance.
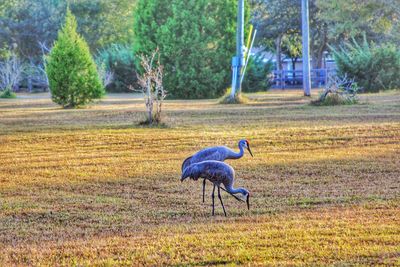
point(291, 75)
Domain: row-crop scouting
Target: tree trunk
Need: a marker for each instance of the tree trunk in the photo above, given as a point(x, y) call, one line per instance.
point(149, 103)
point(278, 43)
point(318, 53)
point(318, 57)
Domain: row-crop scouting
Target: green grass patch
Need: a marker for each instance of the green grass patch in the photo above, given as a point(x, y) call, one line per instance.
point(7, 93)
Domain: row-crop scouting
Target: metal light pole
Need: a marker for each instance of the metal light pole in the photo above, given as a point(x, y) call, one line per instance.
point(237, 61)
point(306, 48)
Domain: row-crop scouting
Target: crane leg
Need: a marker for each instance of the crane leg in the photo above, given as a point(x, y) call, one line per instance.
point(220, 199)
point(204, 188)
point(213, 206)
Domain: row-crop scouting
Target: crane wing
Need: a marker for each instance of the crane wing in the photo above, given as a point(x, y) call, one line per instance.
point(217, 153)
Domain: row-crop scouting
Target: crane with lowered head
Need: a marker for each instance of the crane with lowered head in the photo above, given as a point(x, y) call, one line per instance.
point(218, 173)
point(217, 153)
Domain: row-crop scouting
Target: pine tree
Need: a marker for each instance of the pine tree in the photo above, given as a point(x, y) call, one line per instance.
point(71, 70)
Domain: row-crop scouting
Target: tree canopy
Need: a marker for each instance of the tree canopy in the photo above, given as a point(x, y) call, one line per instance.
point(196, 39)
point(24, 23)
point(331, 23)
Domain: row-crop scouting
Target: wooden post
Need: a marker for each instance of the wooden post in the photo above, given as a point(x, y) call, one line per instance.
point(306, 48)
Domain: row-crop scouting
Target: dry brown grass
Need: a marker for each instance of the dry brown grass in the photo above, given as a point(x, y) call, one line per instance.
point(89, 187)
point(367, 235)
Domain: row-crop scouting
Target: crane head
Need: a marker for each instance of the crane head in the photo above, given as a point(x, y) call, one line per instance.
point(248, 148)
point(192, 172)
point(245, 194)
point(245, 144)
point(185, 174)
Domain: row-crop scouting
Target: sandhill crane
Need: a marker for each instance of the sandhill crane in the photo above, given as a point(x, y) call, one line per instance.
point(218, 173)
point(218, 153)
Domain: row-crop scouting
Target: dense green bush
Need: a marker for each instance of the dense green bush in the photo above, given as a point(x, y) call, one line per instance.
point(373, 67)
point(196, 40)
point(72, 73)
point(257, 76)
point(119, 60)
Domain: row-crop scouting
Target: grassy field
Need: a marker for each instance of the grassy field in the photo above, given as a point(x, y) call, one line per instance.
point(90, 187)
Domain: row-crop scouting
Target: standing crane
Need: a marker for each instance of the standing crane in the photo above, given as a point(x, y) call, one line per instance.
point(218, 153)
point(218, 173)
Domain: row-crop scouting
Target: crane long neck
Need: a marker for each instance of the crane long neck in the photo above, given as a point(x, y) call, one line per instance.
point(237, 155)
point(232, 190)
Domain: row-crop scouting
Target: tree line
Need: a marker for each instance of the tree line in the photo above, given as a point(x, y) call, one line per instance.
point(332, 23)
point(195, 38)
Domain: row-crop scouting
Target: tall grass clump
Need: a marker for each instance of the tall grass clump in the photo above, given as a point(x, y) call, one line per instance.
point(237, 99)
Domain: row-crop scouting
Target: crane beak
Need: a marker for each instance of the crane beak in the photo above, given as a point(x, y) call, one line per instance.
point(248, 201)
point(248, 148)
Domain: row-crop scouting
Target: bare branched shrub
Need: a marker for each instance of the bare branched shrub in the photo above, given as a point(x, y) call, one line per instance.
point(10, 73)
point(151, 83)
point(338, 91)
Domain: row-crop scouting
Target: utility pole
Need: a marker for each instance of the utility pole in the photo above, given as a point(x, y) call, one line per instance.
point(306, 47)
point(238, 60)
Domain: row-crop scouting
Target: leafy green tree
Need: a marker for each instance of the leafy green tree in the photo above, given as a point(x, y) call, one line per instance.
point(71, 70)
point(104, 22)
point(200, 39)
point(339, 21)
point(275, 20)
point(292, 47)
point(149, 15)
point(196, 39)
point(25, 23)
point(352, 18)
point(331, 23)
point(257, 76)
point(280, 29)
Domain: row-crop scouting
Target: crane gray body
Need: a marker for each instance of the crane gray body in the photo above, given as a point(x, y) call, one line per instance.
point(218, 153)
point(218, 173)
